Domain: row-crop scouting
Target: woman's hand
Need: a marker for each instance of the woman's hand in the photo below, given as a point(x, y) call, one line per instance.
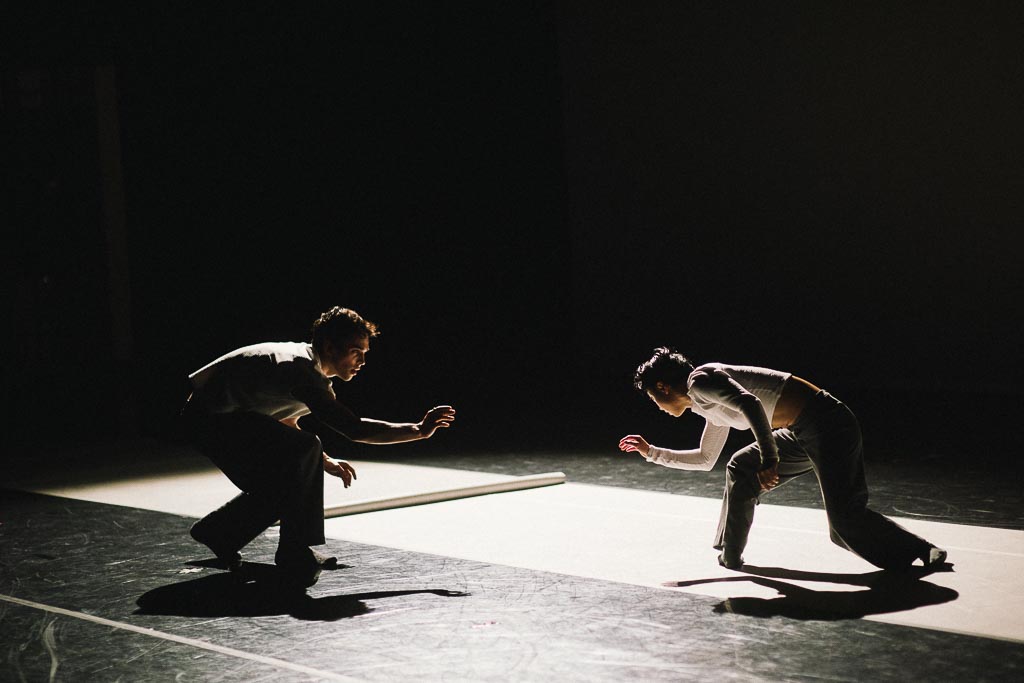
point(634, 443)
point(769, 478)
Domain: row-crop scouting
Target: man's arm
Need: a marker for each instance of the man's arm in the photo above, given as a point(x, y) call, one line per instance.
point(338, 468)
point(338, 417)
point(382, 432)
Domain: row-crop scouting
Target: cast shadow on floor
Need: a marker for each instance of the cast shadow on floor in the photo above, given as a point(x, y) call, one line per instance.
point(258, 592)
point(886, 591)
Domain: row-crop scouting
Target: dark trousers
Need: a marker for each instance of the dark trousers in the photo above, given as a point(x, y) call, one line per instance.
point(825, 439)
point(279, 470)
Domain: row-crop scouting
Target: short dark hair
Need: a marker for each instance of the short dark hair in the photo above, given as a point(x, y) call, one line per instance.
point(339, 325)
point(666, 365)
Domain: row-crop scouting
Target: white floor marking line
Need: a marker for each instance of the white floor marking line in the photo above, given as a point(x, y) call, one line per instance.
point(279, 663)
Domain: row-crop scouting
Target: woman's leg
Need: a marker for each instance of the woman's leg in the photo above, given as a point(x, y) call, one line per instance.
point(836, 448)
point(742, 491)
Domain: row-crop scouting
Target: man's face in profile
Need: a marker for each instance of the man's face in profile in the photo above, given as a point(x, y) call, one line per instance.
point(345, 359)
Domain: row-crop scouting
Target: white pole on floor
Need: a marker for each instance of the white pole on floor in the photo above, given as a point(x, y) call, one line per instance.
point(529, 481)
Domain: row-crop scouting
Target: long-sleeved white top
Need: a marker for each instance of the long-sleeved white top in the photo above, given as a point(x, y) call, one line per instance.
point(727, 397)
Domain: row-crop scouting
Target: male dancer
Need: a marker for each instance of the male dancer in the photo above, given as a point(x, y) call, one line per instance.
point(797, 428)
point(243, 414)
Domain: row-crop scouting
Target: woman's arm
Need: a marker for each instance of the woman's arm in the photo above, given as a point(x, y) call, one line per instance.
point(712, 441)
point(717, 386)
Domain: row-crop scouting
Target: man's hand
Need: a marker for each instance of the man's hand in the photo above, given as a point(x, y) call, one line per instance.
point(769, 478)
point(634, 443)
point(340, 469)
point(436, 418)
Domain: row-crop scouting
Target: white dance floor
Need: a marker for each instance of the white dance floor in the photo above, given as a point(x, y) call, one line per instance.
point(614, 534)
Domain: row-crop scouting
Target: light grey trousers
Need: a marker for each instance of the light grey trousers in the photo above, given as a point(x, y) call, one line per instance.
point(826, 438)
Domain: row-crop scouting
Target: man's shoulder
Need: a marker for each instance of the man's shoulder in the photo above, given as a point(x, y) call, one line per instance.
point(279, 351)
point(262, 358)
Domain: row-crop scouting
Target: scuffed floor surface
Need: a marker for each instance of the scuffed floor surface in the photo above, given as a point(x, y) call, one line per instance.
point(95, 592)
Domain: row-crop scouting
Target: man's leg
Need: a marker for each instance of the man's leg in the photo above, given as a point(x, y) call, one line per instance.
point(280, 471)
point(302, 513)
point(232, 526)
point(742, 491)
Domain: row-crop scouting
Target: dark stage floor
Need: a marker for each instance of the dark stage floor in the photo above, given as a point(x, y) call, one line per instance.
point(97, 592)
point(393, 615)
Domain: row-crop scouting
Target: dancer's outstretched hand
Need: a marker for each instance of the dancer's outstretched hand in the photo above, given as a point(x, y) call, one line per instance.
point(634, 443)
point(436, 418)
point(340, 469)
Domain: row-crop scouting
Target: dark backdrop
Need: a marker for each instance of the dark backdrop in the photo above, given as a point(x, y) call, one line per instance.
point(832, 188)
point(527, 197)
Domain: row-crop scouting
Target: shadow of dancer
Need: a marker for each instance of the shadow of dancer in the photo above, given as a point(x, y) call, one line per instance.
point(259, 594)
point(886, 592)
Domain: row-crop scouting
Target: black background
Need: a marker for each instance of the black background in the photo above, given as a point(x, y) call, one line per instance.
point(527, 197)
